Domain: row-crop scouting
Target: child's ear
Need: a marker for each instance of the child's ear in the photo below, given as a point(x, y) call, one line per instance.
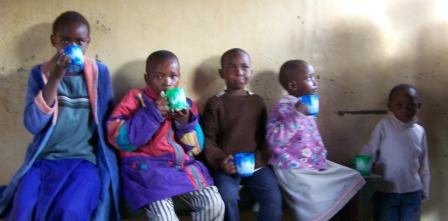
point(52, 40)
point(146, 77)
point(88, 41)
point(292, 85)
point(221, 74)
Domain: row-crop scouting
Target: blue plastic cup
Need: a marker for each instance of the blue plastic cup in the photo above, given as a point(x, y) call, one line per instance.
point(76, 55)
point(312, 103)
point(245, 163)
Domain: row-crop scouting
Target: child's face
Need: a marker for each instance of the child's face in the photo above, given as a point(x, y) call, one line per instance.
point(404, 104)
point(304, 82)
point(162, 75)
point(236, 70)
point(71, 33)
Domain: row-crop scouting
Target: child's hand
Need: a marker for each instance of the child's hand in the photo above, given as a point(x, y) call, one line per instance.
point(58, 64)
point(162, 105)
point(227, 165)
point(301, 108)
point(181, 116)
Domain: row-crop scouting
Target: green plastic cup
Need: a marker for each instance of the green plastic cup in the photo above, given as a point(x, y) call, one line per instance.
point(363, 164)
point(176, 98)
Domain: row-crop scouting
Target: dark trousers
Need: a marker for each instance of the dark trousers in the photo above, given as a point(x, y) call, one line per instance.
point(398, 206)
point(263, 187)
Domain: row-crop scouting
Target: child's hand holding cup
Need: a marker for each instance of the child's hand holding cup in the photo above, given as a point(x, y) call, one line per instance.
point(76, 55)
point(311, 101)
point(177, 103)
point(363, 164)
point(176, 98)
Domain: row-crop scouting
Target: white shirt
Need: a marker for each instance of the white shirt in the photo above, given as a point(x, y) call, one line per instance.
point(400, 155)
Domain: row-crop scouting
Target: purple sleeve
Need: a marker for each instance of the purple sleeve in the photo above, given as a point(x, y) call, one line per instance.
point(188, 135)
point(372, 147)
point(144, 124)
point(182, 129)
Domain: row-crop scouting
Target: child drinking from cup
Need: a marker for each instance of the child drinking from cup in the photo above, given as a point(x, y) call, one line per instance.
point(157, 146)
point(234, 121)
point(69, 173)
point(400, 155)
point(315, 188)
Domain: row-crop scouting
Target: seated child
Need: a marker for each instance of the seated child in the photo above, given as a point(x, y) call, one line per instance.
point(234, 121)
point(69, 172)
point(157, 146)
point(400, 155)
point(315, 188)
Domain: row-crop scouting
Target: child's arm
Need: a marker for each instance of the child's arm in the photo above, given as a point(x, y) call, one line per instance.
point(133, 122)
point(372, 147)
point(41, 100)
point(58, 65)
point(188, 132)
point(37, 113)
point(106, 95)
point(424, 172)
point(281, 128)
point(262, 147)
point(210, 122)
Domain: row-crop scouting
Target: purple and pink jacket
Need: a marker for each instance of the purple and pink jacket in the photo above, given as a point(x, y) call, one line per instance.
point(294, 138)
point(157, 153)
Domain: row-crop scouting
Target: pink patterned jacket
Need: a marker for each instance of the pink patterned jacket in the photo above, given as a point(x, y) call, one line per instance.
point(294, 138)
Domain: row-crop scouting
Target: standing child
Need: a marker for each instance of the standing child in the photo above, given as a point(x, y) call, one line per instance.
point(234, 121)
point(315, 188)
point(69, 171)
point(400, 155)
point(157, 148)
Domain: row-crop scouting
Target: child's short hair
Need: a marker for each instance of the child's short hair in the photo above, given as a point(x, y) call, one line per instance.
point(160, 55)
point(287, 73)
point(399, 87)
point(69, 17)
point(231, 52)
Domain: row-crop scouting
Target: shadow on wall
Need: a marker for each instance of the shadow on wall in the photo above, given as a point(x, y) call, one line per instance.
point(431, 81)
point(127, 77)
point(266, 84)
point(353, 68)
point(206, 81)
point(33, 47)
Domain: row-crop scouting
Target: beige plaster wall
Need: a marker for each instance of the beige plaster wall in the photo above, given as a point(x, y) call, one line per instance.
point(360, 50)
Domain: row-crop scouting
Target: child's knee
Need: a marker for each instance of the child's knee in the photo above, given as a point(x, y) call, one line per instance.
point(71, 212)
point(215, 208)
point(230, 196)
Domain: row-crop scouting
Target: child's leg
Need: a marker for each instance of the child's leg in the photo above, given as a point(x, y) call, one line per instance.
point(25, 198)
point(410, 206)
point(80, 194)
point(162, 210)
point(207, 204)
point(387, 206)
point(263, 186)
point(228, 187)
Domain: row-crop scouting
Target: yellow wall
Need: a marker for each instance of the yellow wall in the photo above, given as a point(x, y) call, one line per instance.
point(360, 50)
